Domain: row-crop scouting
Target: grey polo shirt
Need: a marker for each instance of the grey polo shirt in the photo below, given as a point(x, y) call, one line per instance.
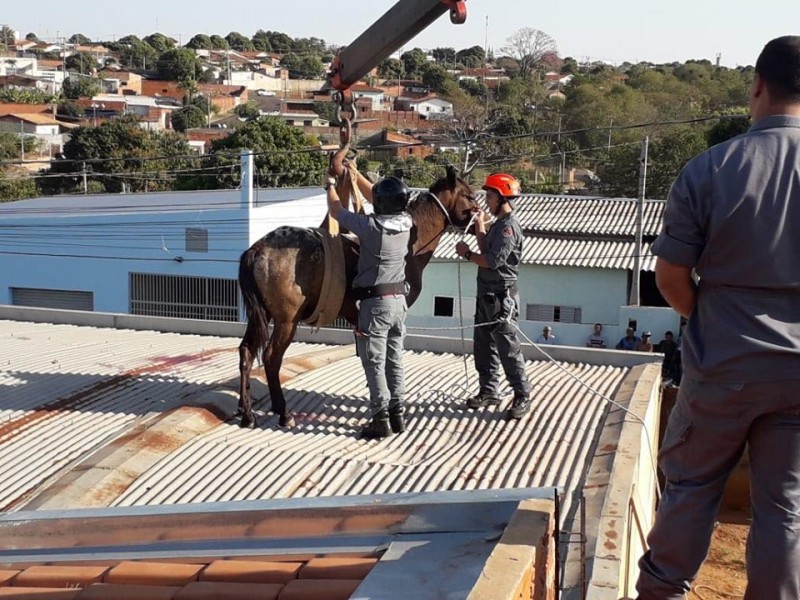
point(384, 245)
point(503, 253)
point(733, 214)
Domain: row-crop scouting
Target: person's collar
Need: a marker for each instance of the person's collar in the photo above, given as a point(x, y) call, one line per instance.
point(772, 121)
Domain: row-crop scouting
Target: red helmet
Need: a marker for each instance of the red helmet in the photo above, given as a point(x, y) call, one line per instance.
point(505, 185)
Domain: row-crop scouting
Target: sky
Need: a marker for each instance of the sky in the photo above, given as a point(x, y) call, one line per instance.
point(613, 31)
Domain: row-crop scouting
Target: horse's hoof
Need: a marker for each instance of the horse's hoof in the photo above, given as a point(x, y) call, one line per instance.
point(286, 422)
point(248, 423)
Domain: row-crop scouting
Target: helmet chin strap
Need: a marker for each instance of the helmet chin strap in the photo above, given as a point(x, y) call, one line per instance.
point(500, 203)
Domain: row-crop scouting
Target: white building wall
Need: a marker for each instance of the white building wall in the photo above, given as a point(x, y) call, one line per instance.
point(92, 243)
point(600, 293)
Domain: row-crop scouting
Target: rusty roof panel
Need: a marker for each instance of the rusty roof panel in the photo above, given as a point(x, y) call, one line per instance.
point(66, 391)
point(444, 448)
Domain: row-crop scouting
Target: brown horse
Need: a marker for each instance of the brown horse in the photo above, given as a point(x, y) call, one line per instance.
point(280, 277)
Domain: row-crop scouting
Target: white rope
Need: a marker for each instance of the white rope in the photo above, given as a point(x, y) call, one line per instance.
point(558, 365)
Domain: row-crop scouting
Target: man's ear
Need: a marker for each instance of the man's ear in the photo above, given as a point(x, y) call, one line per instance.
point(758, 86)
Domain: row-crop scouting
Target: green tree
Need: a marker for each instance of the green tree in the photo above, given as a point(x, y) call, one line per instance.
point(569, 66)
point(280, 42)
point(390, 68)
point(6, 35)
point(17, 187)
point(79, 39)
point(134, 53)
point(249, 110)
point(436, 78)
point(303, 66)
point(413, 62)
point(129, 146)
point(277, 162)
point(70, 110)
point(445, 56)
point(667, 155)
point(82, 62)
point(239, 42)
point(80, 87)
point(200, 42)
point(32, 37)
point(471, 57)
point(188, 117)
point(725, 129)
point(310, 45)
point(327, 111)
point(179, 64)
point(25, 96)
point(159, 42)
point(261, 41)
point(218, 42)
point(473, 87)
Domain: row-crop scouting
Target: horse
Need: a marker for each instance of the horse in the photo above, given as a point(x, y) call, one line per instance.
point(280, 278)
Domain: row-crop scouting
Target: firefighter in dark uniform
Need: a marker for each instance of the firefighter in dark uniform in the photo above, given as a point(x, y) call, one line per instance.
point(381, 288)
point(498, 268)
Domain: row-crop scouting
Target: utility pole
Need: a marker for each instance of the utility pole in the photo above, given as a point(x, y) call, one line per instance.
point(637, 251)
point(22, 138)
point(610, 125)
point(85, 182)
point(485, 61)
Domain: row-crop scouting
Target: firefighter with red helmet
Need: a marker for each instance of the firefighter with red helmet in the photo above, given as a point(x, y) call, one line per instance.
point(495, 341)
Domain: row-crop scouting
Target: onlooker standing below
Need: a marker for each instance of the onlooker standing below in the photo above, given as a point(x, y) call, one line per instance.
point(629, 341)
point(596, 340)
point(733, 215)
point(669, 348)
point(498, 268)
point(547, 337)
point(644, 345)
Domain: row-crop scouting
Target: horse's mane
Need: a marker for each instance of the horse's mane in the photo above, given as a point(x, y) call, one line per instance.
point(443, 184)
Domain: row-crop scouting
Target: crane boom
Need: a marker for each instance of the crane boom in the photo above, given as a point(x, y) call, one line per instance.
point(397, 26)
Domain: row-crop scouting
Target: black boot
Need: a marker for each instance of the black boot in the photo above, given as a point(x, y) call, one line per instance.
point(520, 407)
point(482, 400)
point(378, 427)
point(397, 420)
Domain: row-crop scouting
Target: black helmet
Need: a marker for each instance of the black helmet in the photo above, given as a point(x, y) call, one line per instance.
point(390, 196)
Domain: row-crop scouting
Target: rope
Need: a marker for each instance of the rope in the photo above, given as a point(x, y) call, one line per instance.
point(713, 591)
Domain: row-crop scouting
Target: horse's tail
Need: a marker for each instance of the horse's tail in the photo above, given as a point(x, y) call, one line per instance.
point(257, 315)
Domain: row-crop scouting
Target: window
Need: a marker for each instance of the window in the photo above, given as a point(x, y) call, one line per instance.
point(196, 240)
point(57, 299)
point(446, 306)
point(184, 297)
point(553, 314)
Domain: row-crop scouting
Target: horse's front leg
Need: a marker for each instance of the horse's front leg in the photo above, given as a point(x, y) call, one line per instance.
point(282, 336)
point(247, 352)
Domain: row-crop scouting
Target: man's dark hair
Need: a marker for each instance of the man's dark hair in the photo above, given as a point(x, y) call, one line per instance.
point(779, 67)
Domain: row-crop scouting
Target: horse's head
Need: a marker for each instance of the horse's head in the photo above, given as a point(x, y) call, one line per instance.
point(456, 197)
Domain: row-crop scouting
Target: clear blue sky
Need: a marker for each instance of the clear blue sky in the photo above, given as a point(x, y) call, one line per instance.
point(614, 31)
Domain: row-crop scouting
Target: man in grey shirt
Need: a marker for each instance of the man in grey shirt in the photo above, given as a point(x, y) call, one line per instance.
point(380, 284)
point(733, 216)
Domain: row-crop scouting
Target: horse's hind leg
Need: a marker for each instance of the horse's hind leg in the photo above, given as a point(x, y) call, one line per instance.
point(247, 352)
point(282, 336)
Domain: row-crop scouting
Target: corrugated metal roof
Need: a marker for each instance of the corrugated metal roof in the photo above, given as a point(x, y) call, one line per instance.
point(444, 448)
point(66, 391)
point(581, 215)
point(565, 252)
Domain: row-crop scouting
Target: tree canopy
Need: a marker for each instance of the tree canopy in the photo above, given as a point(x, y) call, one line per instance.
point(277, 162)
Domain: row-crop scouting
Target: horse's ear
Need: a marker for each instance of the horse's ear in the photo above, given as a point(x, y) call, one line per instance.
point(451, 176)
